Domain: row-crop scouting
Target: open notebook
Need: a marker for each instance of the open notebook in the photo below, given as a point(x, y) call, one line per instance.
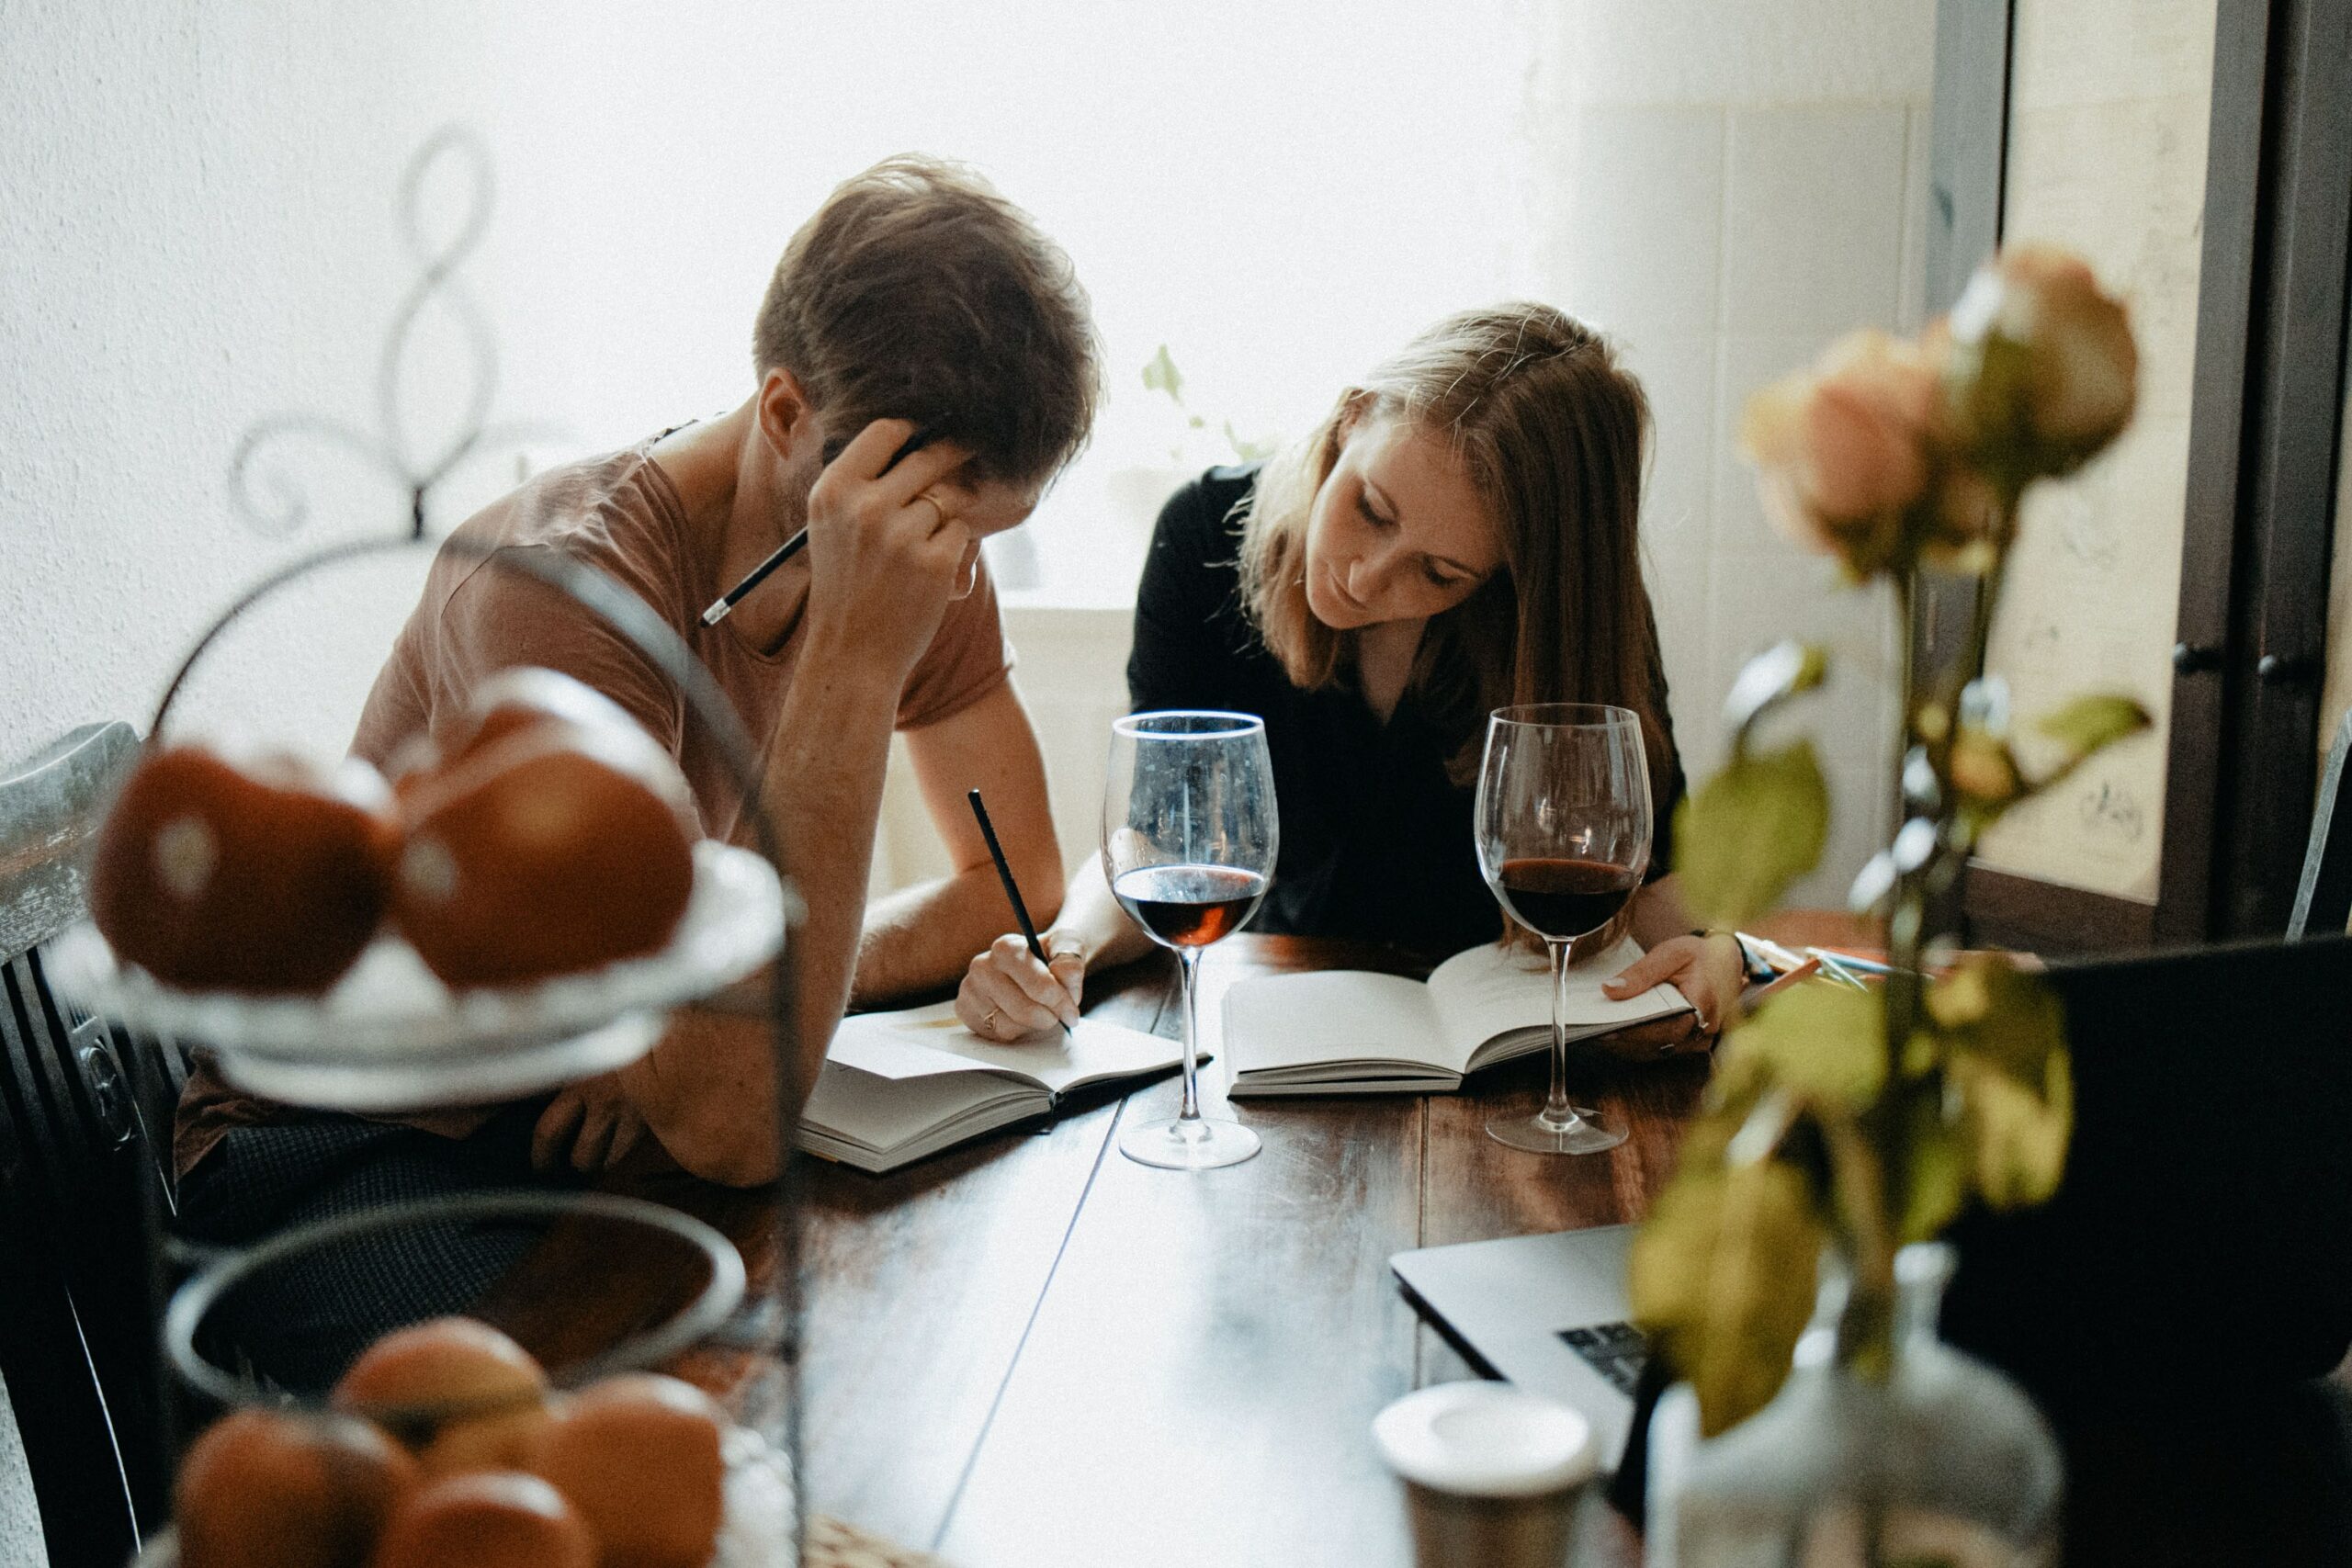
point(899, 1085)
point(1345, 1031)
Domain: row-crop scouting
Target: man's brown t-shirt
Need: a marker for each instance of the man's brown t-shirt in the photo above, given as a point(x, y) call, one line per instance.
point(620, 515)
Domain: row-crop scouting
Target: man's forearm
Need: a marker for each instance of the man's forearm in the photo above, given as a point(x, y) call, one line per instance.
point(824, 792)
point(707, 1091)
point(921, 939)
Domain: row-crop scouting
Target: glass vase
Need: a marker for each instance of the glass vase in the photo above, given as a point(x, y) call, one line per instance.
point(1940, 1462)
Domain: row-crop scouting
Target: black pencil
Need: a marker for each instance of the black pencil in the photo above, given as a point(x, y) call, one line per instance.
point(753, 578)
point(1012, 889)
point(720, 606)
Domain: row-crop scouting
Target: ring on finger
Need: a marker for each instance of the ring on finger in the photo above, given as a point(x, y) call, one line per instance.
point(988, 1023)
point(938, 511)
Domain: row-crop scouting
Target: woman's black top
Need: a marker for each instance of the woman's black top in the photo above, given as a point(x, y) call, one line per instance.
point(1376, 842)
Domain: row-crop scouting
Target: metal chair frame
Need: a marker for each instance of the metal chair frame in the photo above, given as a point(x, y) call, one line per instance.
point(2323, 895)
point(85, 1115)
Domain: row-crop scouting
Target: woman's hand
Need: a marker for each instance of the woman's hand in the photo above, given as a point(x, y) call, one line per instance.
point(1008, 995)
point(1707, 971)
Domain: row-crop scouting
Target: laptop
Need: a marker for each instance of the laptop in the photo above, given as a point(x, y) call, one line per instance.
point(1545, 1312)
point(2202, 1226)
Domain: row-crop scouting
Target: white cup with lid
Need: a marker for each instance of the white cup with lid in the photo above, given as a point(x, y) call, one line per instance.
point(1493, 1474)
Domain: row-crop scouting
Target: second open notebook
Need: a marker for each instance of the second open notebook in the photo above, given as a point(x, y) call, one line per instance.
point(899, 1085)
point(1347, 1031)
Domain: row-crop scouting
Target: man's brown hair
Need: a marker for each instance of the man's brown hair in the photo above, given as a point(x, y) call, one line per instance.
point(917, 293)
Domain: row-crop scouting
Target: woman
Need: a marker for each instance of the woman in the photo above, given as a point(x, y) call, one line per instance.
point(1459, 535)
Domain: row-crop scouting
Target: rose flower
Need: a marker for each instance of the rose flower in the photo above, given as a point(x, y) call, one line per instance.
point(2043, 364)
point(1843, 450)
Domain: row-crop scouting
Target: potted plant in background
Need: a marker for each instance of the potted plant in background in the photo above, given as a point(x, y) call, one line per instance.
point(1846, 1128)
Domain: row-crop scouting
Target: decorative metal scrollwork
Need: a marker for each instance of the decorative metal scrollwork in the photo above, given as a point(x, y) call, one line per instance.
point(286, 508)
point(778, 1321)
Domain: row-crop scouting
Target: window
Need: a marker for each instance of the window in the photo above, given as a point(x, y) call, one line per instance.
point(1280, 195)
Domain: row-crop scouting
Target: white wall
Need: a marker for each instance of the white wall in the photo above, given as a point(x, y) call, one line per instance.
point(201, 233)
point(1726, 188)
point(198, 204)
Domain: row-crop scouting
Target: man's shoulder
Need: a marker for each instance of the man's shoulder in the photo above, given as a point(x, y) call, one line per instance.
point(573, 502)
point(614, 511)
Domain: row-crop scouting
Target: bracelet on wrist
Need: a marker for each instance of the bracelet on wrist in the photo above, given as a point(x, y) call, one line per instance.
point(1754, 969)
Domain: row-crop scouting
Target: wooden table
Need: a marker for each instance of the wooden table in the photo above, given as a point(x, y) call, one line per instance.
point(1033, 1352)
point(1036, 1351)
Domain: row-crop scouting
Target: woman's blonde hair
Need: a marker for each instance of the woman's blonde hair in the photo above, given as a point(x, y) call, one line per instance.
point(1550, 430)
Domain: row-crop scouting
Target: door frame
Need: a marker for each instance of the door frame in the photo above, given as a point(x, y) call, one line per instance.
point(2251, 648)
point(2267, 403)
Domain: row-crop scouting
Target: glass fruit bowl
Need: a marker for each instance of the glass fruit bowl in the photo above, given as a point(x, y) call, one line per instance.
point(589, 1285)
point(389, 1036)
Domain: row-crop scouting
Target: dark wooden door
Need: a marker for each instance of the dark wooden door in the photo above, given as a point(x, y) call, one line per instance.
point(2263, 465)
point(2264, 432)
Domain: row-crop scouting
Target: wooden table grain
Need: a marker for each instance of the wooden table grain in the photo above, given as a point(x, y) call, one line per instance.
point(1032, 1352)
point(1197, 1357)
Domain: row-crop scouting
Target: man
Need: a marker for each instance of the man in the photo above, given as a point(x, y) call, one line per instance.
point(926, 364)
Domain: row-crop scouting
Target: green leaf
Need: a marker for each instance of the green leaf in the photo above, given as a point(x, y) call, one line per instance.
point(2004, 1035)
point(1722, 1275)
point(2087, 724)
point(1987, 1006)
point(1825, 1043)
point(1750, 832)
point(1162, 376)
point(1936, 1171)
point(1248, 451)
point(2018, 1137)
point(1770, 679)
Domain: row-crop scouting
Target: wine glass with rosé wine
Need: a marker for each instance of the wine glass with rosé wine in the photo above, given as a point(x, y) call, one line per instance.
point(1188, 839)
point(1564, 836)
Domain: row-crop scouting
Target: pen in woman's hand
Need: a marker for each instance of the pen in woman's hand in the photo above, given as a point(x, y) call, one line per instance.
point(1012, 889)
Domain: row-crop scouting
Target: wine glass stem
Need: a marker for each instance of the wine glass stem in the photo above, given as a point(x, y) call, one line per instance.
point(1556, 1109)
point(1188, 959)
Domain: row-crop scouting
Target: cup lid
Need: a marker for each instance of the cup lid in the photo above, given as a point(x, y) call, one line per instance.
point(1485, 1439)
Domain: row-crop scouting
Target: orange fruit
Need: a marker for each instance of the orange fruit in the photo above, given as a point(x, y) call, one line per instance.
point(490, 1519)
point(270, 877)
point(288, 1490)
point(638, 1457)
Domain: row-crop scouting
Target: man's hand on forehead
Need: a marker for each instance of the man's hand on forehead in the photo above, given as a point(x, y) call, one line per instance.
point(836, 445)
point(886, 544)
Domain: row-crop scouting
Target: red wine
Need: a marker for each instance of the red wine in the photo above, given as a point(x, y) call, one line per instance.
point(1563, 900)
point(1189, 905)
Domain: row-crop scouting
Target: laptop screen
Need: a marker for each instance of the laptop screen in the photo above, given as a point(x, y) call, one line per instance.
point(2206, 1214)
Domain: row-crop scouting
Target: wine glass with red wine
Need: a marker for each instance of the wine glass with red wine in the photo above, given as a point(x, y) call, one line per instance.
point(1188, 843)
point(1564, 836)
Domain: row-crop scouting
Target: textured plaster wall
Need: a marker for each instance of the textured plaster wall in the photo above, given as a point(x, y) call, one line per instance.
point(1726, 189)
point(196, 233)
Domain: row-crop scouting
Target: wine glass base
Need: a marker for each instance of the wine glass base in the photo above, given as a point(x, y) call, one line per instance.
point(1539, 1134)
point(1197, 1145)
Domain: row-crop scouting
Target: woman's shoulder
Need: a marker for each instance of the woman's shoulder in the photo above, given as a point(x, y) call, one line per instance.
point(1205, 512)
